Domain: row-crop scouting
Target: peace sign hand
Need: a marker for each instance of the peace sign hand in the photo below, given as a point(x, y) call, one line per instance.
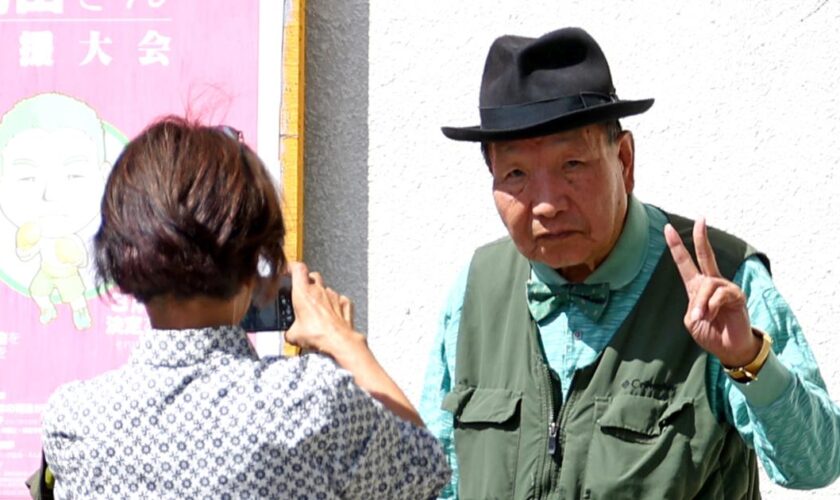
point(717, 316)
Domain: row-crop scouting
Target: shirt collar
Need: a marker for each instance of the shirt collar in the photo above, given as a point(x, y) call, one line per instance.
point(190, 346)
point(624, 261)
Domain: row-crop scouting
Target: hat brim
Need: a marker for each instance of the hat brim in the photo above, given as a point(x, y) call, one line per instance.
point(567, 121)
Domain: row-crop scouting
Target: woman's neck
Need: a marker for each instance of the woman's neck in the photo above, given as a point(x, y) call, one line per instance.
point(169, 313)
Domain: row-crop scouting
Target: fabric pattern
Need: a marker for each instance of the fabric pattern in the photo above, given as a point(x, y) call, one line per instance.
point(543, 300)
point(195, 414)
point(571, 340)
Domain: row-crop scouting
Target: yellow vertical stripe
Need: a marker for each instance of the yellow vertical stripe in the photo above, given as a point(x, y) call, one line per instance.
point(291, 133)
point(291, 127)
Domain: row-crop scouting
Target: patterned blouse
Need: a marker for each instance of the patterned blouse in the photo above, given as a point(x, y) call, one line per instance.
point(195, 414)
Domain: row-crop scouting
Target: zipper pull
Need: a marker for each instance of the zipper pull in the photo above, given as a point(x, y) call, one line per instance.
point(552, 438)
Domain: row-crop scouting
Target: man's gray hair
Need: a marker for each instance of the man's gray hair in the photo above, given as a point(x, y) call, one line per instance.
point(612, 129)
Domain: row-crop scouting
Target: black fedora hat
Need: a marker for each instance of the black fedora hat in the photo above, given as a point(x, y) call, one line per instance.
point(539, 86)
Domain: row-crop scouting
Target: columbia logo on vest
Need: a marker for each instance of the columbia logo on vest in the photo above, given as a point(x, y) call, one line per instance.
point(649, 389)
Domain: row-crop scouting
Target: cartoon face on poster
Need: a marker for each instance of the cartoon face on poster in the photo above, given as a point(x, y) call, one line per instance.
point(80, 78)
point(50, 196)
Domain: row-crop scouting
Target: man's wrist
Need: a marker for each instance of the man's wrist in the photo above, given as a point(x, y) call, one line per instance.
point(746, 354)
point(773, 381)
point(748, 371)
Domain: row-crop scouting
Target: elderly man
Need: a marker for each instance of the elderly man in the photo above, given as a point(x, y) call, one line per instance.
point(577, 357)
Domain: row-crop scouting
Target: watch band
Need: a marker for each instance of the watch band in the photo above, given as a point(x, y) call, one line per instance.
point(749, 372)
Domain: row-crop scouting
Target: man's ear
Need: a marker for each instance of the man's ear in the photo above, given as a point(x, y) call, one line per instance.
point(487, 153)
point(626, 155)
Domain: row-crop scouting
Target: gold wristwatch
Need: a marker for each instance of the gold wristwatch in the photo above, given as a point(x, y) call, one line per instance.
point(749, 372)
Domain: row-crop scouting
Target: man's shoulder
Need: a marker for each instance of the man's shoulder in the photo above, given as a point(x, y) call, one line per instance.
point(502, 243)
point(499, 250)
point(730, 250)
point(685, 225)
point(495, 268)
point(498, 255)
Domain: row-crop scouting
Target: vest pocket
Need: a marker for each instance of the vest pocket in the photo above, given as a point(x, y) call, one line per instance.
point(637, 418)
point(487, 423)
point(639, 444)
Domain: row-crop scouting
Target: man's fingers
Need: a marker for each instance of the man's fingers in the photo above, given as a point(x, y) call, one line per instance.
point(688, 271)
point(726, 295)
point(705, 254)
point(698, 306)
point(713, 295)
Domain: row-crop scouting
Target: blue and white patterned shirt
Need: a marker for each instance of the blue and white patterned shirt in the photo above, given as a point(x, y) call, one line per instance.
point(195, 414)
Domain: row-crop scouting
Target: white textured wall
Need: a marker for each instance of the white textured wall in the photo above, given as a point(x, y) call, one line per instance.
point(744, 131)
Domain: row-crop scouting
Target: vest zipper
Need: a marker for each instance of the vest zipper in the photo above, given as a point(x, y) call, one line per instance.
point(557, 442)
point(545, 483)
point(563, 419)
point(552, 438)
point(552, 425)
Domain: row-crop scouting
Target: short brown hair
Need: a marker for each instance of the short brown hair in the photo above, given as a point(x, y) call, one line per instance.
point(189, 210)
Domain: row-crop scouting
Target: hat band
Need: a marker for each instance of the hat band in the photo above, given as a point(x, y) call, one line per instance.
point(526, 115)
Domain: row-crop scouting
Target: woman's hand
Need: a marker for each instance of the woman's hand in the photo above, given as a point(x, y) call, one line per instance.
point(324, 322)
point(323, 317)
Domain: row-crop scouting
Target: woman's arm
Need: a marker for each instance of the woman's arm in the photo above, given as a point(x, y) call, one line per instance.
point(323, 322)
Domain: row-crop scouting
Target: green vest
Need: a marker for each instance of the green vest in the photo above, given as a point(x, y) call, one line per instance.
point(637, 422)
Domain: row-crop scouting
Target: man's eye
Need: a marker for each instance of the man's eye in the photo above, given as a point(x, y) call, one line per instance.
point(573, 164)
point(515, 174)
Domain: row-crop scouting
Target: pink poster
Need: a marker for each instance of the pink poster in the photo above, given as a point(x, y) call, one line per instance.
point(80, 77)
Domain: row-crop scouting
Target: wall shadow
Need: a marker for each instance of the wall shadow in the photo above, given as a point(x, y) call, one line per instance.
point(335, 238)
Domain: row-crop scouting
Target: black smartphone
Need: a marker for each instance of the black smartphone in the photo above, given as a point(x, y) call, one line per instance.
point(276, 316)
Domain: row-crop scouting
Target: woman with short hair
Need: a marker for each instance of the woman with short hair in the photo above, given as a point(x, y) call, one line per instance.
point(192, 228)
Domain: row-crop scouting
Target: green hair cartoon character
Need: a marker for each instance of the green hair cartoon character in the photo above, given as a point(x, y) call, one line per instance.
point(52, 171)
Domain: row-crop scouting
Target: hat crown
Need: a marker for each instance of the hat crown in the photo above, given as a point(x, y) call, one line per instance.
point(538, 86)
point(521, 70)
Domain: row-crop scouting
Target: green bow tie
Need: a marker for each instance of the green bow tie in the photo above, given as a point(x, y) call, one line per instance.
point(591, 299)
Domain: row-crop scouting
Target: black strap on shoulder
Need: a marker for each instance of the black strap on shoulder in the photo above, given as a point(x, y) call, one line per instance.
point(39, 486)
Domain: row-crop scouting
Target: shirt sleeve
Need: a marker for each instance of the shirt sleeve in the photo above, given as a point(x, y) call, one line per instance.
point(382, 455)
point(60, 439)
point(786, 415)
point(438, 380)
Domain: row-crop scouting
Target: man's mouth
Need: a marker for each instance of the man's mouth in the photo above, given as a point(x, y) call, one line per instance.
point(556, 235)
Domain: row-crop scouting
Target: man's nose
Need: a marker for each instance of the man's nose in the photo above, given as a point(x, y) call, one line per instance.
point(550, 197)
